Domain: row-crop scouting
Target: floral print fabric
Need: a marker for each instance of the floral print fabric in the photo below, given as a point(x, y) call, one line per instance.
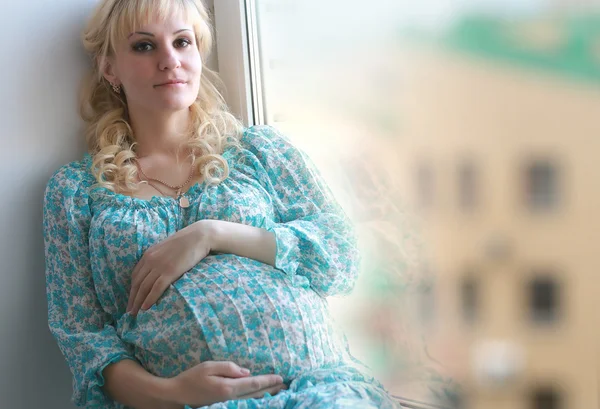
point(267, 319)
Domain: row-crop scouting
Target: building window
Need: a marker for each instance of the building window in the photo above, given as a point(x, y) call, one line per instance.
point(542, 186)
point(425, 185)
point(546, 398)
point(544, 299)
point(467, 186)
point(469, 298)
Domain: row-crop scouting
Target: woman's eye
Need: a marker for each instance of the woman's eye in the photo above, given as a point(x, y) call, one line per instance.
point(141, 46)
point(184, 41)
point(144, 46)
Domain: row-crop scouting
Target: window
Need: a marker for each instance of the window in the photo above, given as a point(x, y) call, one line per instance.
point(467, 186)
point(543, 299)
point(541, 186)
point(469, 298)
point(546, 398)
point(324, 74)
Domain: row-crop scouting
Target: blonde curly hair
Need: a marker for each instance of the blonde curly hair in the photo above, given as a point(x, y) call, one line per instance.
point(111, 141)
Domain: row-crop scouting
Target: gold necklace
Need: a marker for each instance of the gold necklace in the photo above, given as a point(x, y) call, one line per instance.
point(179, 196)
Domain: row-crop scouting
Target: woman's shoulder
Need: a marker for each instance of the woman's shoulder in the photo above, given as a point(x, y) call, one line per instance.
point(72, 177)
point(262, 138)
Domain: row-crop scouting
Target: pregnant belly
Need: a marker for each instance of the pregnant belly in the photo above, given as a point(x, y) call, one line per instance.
point(236, 309)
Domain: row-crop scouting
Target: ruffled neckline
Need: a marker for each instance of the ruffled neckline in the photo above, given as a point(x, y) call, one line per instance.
point(194, 193)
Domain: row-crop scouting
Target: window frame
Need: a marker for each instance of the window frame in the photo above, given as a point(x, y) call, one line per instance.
point(235, 27)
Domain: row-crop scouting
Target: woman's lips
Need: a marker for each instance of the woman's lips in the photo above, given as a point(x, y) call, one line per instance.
point(171, 84)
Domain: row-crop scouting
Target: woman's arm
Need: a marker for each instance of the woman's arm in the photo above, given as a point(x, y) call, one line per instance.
point(313, 236)
point(129, 383)
point(242, 240)
point(83, 331)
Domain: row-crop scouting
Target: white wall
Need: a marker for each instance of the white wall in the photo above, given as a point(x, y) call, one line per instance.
point(42, 63)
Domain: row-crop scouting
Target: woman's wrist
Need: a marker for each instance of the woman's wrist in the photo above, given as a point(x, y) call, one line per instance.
point(128, 383)
point(208, 231)
point(166, 393)
point(241, 239)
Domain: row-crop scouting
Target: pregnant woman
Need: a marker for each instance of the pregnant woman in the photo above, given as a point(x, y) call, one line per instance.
point(188, 259)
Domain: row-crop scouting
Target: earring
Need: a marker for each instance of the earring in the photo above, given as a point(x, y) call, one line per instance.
point(116, 88)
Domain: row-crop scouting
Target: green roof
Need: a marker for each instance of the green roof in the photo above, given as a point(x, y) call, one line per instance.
point(568, 46)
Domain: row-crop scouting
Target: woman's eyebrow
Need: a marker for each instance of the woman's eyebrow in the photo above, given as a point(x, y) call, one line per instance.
point(152, 35)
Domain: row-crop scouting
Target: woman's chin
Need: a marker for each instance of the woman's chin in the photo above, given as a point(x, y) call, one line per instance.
point(175, 105)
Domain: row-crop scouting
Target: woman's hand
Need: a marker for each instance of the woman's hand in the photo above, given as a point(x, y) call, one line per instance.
point(163, 264)
point(218, 381)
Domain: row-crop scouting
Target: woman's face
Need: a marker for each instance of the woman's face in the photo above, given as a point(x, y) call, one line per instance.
point(152, 56)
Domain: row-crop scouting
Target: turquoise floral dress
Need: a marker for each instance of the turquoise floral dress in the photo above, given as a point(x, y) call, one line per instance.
point(267, 319)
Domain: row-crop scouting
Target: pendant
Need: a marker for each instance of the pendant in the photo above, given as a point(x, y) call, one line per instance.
point(184, 202)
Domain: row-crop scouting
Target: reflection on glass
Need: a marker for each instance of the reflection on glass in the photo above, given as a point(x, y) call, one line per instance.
point(456, 106)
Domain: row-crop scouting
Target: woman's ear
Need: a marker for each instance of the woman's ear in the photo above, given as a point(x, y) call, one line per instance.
point(105, 66)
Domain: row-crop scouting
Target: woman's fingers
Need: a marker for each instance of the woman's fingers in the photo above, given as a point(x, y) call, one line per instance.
point(226, 368)
point(140, 270)
point(255, 384)
point(140, 273)
point(160, 286)
point(137, 277)
point(142, 292)
point(136, 269)
point(273, 390)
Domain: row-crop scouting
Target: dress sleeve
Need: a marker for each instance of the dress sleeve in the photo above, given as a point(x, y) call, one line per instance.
point(82, 329)
point(314, 236)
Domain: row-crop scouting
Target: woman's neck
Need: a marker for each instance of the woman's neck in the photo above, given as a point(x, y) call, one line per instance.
point(159, 134)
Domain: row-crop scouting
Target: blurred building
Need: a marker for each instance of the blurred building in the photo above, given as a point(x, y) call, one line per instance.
point(500, 156)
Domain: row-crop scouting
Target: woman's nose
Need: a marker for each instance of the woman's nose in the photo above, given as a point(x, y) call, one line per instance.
point(169, 60)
